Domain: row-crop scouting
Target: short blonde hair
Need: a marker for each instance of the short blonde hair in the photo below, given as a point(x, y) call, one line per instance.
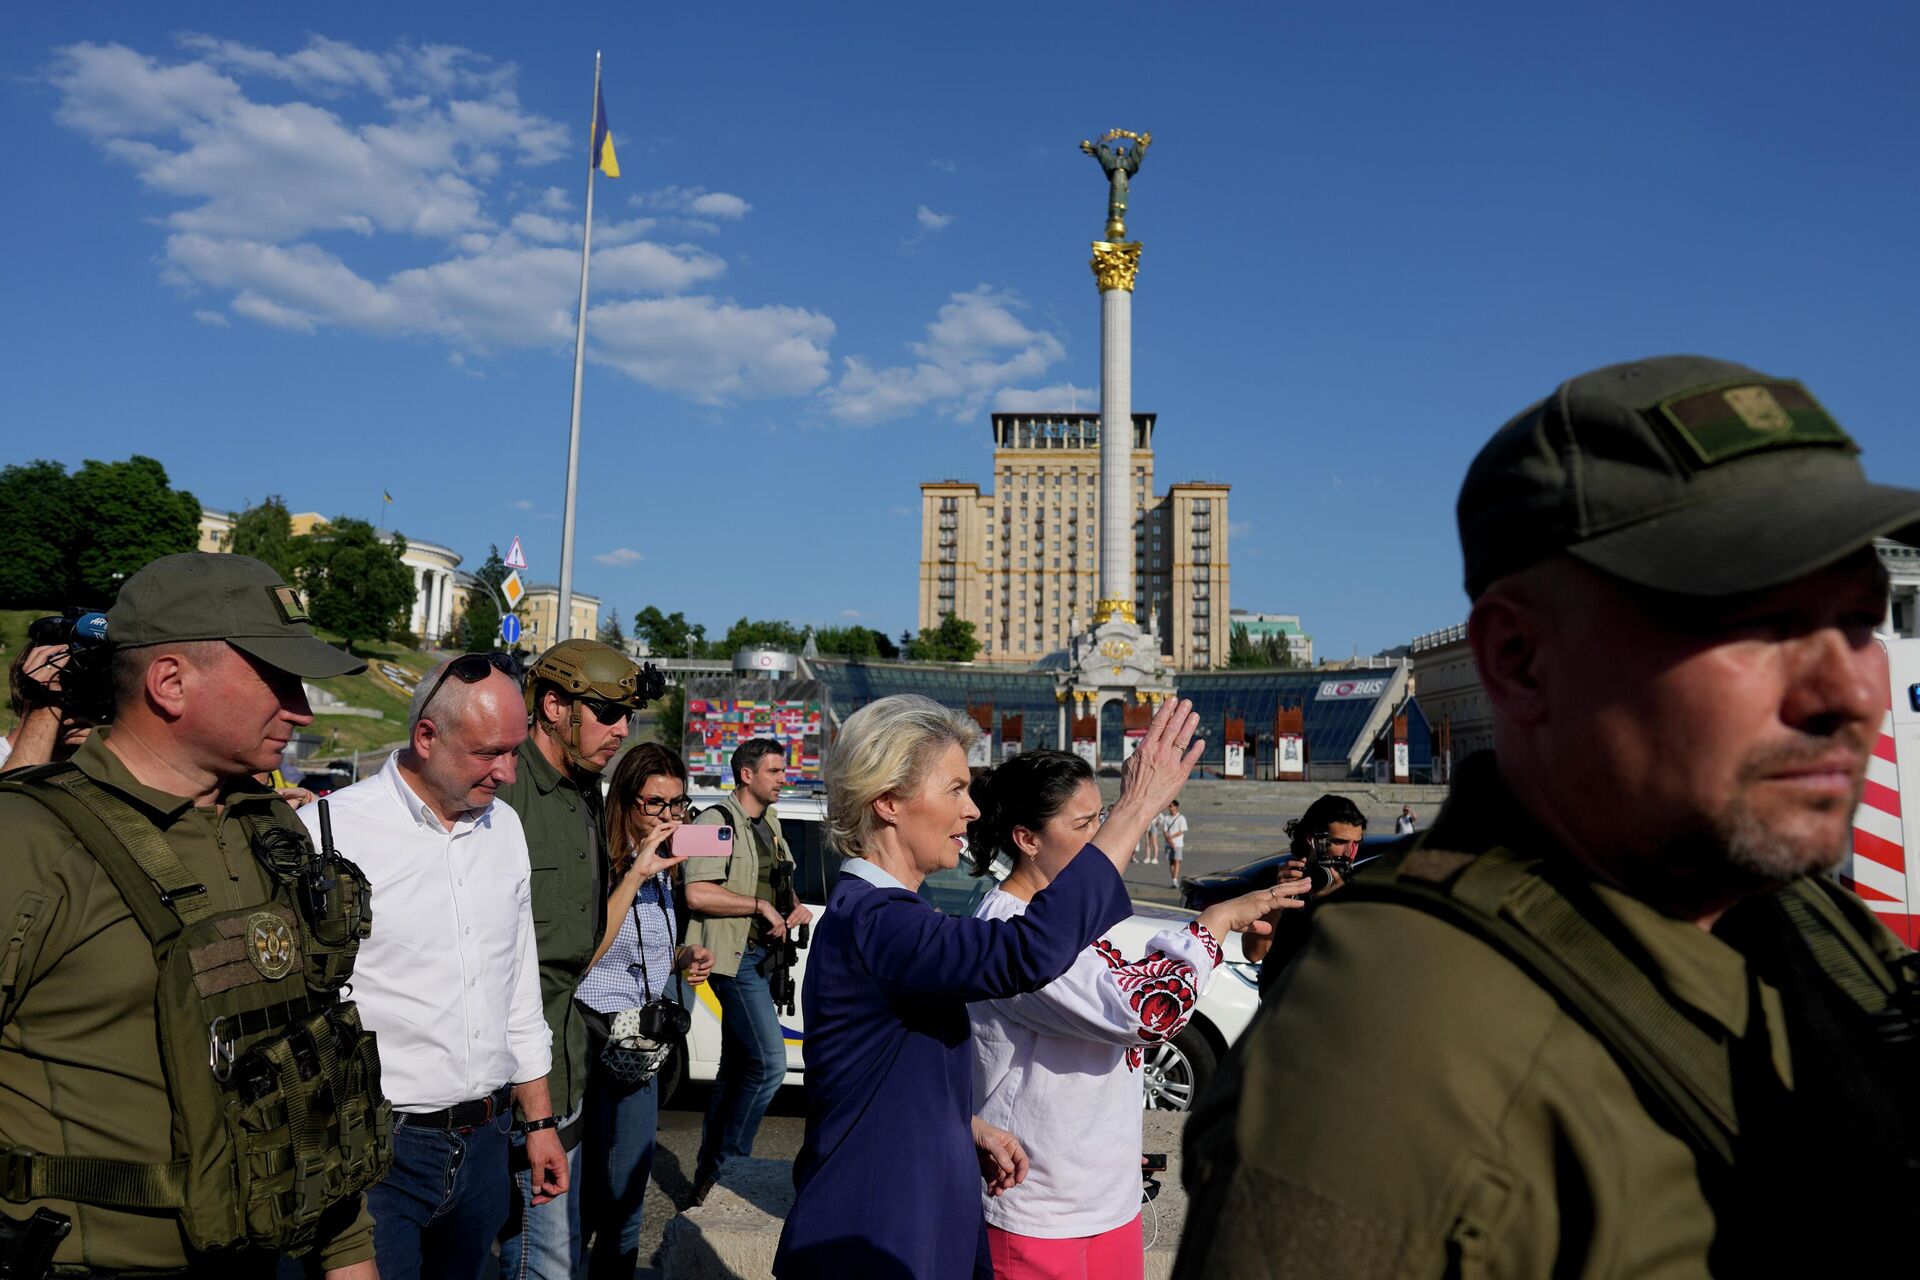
point(885, 748)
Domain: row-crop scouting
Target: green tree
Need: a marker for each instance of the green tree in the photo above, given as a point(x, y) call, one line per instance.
point(761, 634)
point(1267, 652)
point(265, 532)
point(126, 514)
point(610, 632)
point(355, 583)
point(480, 621)
point(952, 641)
point(846, 642)
point(37, 528)
point(670, 635)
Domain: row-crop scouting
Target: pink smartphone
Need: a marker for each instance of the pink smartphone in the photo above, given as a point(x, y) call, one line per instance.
point(703, 842)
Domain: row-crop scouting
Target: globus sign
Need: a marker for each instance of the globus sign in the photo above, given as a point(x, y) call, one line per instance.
point(1333, 689)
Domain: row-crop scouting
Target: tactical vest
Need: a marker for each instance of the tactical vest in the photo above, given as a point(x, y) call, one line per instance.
point(1686, 1068)
point(273, 1085)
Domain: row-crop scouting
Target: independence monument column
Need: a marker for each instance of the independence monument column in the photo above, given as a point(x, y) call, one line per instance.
point(1116, 260)
point(1118, 659)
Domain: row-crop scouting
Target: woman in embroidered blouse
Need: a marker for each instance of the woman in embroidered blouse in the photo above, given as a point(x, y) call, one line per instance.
point(635, 963)
point(1061, 1066)
point(889, 1173)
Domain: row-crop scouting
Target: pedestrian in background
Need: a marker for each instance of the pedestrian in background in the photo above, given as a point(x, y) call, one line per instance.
point(632, 971)
point(1173, 829)
point(449, 979)
point(1406, 822)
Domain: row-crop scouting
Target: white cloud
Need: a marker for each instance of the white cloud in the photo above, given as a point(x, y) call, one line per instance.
point(619, 557)
point(1060, 397)
point(933, 221)
point(213, 318)
point(416, 154)
point(973, 349)
point(943, 165)
point(1239, 528)
point(712, 350)
point(850, 613)
point(694, 200)
point(522, 504)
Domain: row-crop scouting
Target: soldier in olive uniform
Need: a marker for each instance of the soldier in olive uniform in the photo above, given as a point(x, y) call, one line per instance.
point(581, 695)
point(146, 1087)
point(1608, 1017)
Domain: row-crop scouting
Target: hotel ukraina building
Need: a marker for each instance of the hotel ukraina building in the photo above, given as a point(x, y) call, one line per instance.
point(1022, 562)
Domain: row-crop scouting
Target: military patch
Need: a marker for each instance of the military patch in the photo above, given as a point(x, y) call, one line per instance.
point(270, 944)
point(287, 601)
point(1727, 420)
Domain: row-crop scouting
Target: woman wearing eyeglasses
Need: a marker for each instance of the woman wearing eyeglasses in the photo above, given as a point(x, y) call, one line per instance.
point(633, 968)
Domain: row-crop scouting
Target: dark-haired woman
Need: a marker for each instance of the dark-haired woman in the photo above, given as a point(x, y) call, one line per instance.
point(635, 965)
point(1061, 1068)
point(1333, 827)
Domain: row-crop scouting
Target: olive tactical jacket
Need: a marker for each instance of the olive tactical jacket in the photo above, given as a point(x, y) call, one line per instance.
point(568, 855)
point(1410, 1103)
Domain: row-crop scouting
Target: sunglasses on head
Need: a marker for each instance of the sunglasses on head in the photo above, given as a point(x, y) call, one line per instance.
point(472, 668)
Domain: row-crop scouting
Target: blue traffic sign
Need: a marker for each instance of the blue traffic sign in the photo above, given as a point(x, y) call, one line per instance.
point(510, 630)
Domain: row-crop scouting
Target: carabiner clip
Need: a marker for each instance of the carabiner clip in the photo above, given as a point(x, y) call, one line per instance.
point(220, 1051)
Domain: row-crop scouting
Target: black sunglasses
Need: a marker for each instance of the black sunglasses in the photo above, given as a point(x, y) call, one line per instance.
point(472, 668)
point(607, 713)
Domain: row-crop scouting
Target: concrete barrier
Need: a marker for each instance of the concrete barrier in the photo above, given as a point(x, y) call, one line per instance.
point(734, 1234)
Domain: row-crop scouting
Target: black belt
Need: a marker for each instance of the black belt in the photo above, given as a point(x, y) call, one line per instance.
point(461, 1115)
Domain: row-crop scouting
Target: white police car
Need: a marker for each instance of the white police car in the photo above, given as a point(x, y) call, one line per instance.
point(1175, 1070)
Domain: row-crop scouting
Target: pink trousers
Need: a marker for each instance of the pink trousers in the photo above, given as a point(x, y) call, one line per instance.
point(1111, 1255)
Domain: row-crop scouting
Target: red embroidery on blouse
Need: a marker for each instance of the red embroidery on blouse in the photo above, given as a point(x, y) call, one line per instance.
point(1161, 992)
point(1207, 940)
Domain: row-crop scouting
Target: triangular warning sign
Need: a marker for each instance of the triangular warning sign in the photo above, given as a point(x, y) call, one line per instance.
point(516, 558)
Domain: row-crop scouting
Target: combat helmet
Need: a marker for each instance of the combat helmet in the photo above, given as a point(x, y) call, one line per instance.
point(582, 669)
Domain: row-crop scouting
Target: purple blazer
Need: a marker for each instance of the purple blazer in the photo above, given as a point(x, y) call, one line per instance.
point(887, 1181)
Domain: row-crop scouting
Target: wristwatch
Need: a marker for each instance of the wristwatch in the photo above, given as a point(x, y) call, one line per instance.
point(544, 1122)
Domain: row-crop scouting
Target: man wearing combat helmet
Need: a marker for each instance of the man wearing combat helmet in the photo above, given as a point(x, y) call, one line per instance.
point(173, 962)
point(1608, 1016)
point(580, 695)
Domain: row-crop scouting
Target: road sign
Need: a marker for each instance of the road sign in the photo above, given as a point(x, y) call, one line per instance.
point(510, 629)
point(513, 590)
point(516, 558)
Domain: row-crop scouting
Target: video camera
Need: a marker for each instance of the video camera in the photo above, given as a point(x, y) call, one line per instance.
point(86, 683)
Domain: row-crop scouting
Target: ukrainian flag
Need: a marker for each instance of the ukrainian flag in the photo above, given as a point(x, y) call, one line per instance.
point(603, 158)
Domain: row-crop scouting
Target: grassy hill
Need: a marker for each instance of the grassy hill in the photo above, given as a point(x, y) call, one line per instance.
point(376, 688)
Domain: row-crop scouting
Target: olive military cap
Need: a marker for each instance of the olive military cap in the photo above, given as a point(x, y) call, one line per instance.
point(202, 596)
point(1679, 473)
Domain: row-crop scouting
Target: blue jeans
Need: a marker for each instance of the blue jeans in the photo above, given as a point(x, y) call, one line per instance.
point(547, 1245)
point(753, 1062)
point(437, 1211)
point(621, 1123)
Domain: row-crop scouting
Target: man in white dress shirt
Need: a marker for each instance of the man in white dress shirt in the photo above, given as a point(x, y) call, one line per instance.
point(449, 979)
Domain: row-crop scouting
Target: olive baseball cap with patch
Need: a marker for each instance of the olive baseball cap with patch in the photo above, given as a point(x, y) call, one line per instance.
point(1681, 474)
point(203, 596)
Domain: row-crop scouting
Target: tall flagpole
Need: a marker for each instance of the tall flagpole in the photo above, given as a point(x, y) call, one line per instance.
point(563, 625)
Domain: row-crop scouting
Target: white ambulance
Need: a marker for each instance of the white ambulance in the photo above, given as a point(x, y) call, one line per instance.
point(1884, 868)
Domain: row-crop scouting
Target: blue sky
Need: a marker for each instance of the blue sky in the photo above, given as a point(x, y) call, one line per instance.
point(329, 252)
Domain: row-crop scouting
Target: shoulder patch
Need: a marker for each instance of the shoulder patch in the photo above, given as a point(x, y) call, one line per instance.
point(1726, 420)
